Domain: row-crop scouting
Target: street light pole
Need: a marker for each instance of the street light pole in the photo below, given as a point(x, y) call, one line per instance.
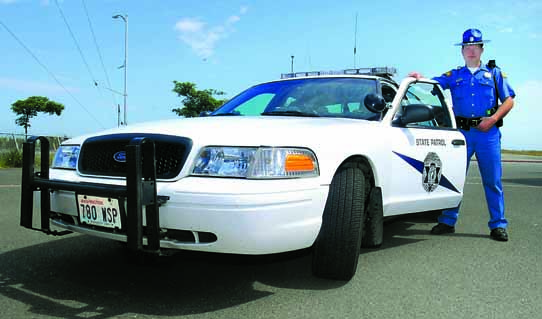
point(292, 70)
point(125, 19)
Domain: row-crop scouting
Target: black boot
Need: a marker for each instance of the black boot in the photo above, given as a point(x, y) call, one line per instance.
point(499, 234)
point(441, 228)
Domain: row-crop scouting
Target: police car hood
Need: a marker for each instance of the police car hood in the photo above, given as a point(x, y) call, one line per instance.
point(247, 130)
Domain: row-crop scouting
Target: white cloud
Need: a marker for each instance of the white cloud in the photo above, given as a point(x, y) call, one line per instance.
point(506, 30)
point(203, 38)
point(233, 19)
point(189, 25)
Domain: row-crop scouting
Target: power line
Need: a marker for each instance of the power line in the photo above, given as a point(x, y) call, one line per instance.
point(98, 49)
point(94, 81)
point(76, 43)
point(51, 74)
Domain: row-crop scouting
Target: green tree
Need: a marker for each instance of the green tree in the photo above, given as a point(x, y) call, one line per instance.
point(196, 101)
point(30, 107)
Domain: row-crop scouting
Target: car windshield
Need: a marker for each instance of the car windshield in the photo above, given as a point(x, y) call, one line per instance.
point(314, 97)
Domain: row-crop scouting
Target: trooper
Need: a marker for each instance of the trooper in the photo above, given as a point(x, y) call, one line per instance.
point(476, 90)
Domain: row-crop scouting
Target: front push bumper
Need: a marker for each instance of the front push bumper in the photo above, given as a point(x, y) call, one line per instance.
point(139, 192)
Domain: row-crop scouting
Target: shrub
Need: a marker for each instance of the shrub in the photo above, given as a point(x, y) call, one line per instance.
point(12, 158)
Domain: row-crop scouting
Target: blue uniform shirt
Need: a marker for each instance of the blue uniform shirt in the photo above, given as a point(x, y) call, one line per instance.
point(474, 94)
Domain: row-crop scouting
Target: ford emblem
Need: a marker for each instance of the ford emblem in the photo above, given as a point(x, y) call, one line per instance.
point(120, 157)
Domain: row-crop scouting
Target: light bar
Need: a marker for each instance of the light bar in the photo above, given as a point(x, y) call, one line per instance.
point(380, 71)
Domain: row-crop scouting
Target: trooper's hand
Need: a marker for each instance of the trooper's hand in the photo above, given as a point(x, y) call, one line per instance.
point(416, 75)
point(486, 124)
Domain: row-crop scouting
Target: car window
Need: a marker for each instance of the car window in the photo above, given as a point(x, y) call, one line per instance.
point(255, 105)
point(324, 97)
point(429, 94)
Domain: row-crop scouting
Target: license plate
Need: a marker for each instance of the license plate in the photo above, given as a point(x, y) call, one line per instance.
point(99, 211)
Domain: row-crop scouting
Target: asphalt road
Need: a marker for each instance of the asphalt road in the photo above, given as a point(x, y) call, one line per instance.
point(413, 275)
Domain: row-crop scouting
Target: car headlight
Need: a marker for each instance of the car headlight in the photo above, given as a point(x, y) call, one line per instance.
point(256, 162)
point(66, 157)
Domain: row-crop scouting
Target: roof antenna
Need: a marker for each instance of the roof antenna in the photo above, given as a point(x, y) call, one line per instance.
point(355, 38)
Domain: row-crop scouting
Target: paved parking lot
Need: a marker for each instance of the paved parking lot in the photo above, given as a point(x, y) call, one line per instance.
point(413, 275)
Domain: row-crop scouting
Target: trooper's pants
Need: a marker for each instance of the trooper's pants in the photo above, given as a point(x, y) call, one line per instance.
point(487, 148)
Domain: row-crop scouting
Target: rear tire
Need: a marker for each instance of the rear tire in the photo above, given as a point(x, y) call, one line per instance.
point(336, 250)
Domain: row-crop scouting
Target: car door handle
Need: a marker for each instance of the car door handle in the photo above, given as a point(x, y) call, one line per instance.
point(458, 142)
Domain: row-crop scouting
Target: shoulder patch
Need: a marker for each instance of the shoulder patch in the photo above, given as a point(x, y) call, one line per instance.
point(449, 73)
point(504, 75)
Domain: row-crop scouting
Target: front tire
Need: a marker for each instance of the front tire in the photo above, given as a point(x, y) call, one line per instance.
point(373, 229)
point(336, 250)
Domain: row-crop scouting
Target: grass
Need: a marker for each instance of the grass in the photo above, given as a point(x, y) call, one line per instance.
point(14, 159)
point(531, 153)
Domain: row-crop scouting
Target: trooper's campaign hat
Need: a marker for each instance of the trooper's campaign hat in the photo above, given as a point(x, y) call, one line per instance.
point(472, 36)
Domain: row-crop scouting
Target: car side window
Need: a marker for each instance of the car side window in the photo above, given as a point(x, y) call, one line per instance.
point(429, 94)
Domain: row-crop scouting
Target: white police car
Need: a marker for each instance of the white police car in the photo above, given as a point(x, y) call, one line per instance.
point(315, 159)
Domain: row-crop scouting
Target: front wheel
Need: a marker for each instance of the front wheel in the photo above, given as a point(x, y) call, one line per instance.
point(336, 250)
point(373, 229)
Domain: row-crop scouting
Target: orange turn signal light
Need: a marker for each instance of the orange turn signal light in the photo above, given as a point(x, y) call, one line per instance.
point(298, 163)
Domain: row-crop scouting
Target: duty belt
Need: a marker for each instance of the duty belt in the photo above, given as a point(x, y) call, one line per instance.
point(465, 123)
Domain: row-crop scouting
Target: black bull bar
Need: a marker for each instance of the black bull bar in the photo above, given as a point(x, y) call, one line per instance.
point(139, 191)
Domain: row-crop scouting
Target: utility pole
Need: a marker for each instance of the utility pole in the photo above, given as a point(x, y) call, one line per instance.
point(292, 69)
point(125, 66)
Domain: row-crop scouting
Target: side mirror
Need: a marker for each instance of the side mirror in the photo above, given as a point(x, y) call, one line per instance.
point(374, 103)
point(414, 113)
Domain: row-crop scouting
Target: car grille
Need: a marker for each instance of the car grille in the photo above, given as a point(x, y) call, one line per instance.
point(97, 156)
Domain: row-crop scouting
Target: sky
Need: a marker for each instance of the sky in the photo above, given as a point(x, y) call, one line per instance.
point(72, 51)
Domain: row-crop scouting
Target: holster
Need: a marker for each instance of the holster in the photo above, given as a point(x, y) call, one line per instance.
point(492, 111)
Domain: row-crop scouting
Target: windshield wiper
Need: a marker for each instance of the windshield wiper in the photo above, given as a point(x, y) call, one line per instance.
point(291, 113)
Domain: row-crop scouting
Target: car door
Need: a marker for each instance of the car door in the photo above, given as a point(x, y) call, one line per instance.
point(428, 159)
